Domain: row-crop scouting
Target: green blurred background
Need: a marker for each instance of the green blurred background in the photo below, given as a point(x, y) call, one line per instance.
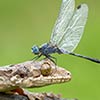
point(24, 23)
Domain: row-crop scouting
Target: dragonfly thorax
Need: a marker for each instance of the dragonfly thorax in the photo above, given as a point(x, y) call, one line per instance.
point(47, 49)
point(35, 50)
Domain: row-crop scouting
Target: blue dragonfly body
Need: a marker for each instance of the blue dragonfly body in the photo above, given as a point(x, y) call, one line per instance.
point(67, 32)
point(46, 50)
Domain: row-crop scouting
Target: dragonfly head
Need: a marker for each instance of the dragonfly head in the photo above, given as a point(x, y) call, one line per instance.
point(35, 50)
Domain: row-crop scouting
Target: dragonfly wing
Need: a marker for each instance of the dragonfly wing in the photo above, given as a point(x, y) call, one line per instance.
point(73, 32)
point(65, 14)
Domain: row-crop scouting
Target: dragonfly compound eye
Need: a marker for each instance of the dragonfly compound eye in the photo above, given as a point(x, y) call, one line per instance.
point(35, 50)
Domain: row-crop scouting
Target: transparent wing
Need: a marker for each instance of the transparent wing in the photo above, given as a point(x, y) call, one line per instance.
point(65, 14)
point(73, 32)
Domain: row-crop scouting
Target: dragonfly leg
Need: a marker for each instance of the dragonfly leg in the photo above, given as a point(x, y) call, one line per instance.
point(36, 57)
point(53, 59)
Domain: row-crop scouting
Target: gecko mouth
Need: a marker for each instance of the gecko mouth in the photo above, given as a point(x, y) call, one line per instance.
point(59, 76)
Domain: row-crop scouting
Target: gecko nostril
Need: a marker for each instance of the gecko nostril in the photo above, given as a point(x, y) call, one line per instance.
point(68, 73)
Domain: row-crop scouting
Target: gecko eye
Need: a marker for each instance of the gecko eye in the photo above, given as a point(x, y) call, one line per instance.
point(35, 49)
point(45, 69)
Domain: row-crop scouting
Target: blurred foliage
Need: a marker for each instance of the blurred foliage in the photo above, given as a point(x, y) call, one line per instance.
point(24, 23)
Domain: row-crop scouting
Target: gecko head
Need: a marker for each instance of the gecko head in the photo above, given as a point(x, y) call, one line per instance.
point(35, 50)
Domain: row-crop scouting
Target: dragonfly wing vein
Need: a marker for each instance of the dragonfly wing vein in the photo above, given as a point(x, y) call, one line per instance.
point(73, 33)
point(65, 14)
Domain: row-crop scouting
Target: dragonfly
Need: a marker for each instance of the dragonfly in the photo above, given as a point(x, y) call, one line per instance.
point(67, 32)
